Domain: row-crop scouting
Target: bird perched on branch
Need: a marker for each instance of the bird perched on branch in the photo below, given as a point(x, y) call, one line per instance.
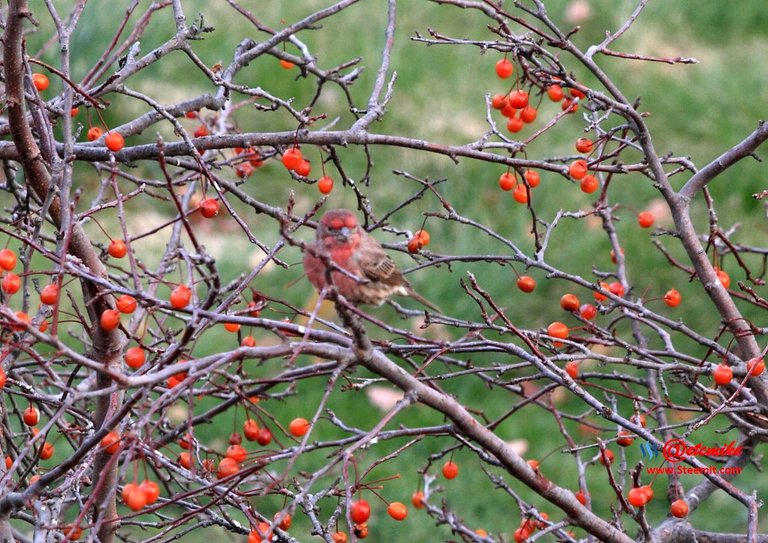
point(372, 275)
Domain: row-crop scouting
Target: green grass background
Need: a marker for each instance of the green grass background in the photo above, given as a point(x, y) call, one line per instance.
point(696, 111)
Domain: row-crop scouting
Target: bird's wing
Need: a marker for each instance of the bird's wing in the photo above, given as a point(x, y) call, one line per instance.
point(378, 266)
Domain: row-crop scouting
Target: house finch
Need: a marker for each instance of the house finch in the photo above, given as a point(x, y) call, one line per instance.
point(373, 276)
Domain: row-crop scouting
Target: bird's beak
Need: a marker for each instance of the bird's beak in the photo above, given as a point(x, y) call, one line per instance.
point(343, 234)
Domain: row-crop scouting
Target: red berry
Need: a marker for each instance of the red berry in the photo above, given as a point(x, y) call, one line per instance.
point(672, 298)
point(180, 296)
point(135, 357)
point(625, 439)
point(265, 437)
point(134, 497)
point(498, 101)
point(114, 141)
point(532, 177)
point(50, 294)
point(47, 451)
point(201, 131)
point(244, 170)
point(588, 311)
point(515, 124)
point(286, 64)
point(578, 169)
point(40, 81)
point(109, 320)
point(637, 497)
point(679, 508)
point(755, 366)
point(417, 499)
point(526, 283)
point(151, 490)
point(251, 429)
point(645, 219)
point(360, 511)
point(558, 330)
point(11, 283)
point(581, 498)
point(520, 194)
point(227, 466)
point(518, 99)
point(569, 105)
point(648, 491)
point(236, 452)
point(117, 248)
point(584, 145)
point(209, 208)
point(528, 114)
point(576, 93)
point(507, 181)
point(555, 93)
point(31, 416)
point(325, 184)
point(450, 470)
point(94, 133)
point(7, 259)
point(572, 369)
point(504, 68)
point(616, 288)
point(298, 427)
point(110, 443)
point(292, 158)
point(304, 168)
point(722, 374)
point(126, 304)
point(569, 302)
point(185, 460)
point(607, 457)
point(419, 240)
point(397, 510)
point(723, 277)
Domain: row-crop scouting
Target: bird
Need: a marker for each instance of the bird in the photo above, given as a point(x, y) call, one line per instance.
point(372, 275)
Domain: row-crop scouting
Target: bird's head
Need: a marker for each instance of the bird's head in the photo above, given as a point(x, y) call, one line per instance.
point(339, 227)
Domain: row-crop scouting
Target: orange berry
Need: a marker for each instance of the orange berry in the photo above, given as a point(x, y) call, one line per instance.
point(578, 169)
point(722, 374)
point(31, 416)
point(607, 457)
point(572, 369)
point(126, 304)
point(360, 511)
point(325, 184)
point(110, 443)
point(625, 438)
point(298, 427)
point(7, 259)
point(286, 64)
point(645, 219)
point(109, 320)
point(679, 508)
point(450, 470)
point(185, 460)
point(227, 466)
point(135, 357)
point(134, 497)
point(557, 329)
point(50, 294)
point(589, 184)
point(114, 141)
point(11, 283)
point(40, 81)
point(180, 296)
point(507, 181)
point(94, 133)
point(397, 510)
point(569, 302)
point(417, 499)
point(526, 283)
point(584, 145)
point(637, 497)
point(672, 298)
point(756, 366)
point(117, 248)
point(532, 177)
point(151, 490)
